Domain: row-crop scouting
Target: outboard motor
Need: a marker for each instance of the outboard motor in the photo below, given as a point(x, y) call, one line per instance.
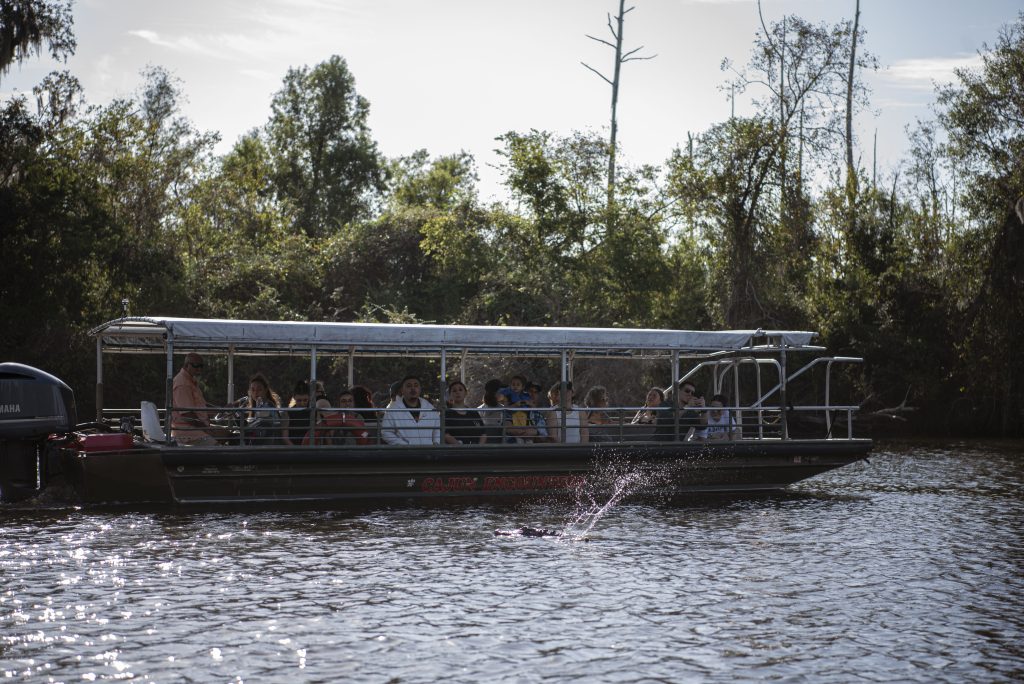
point(33, 406)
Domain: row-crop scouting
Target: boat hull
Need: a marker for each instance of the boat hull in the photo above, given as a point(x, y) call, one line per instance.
point(340, 475)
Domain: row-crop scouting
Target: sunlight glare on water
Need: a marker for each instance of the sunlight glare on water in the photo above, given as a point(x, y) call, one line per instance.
point(910, 567)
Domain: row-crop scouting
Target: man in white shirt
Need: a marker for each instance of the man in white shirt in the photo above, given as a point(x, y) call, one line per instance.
point(410, 419)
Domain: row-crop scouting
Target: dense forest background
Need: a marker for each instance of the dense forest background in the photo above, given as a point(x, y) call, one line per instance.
point(769, 220)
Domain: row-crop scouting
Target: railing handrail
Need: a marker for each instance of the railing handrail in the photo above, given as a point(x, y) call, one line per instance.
point(619, 427)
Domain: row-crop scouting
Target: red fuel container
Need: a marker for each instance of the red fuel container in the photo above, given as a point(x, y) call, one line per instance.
point(110, 441)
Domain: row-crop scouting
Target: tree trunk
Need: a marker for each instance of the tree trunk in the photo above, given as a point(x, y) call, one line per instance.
point(783, 137)
point(615, 103)
point(851, 172)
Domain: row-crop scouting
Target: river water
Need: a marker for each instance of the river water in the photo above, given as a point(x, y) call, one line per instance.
point(907, 568)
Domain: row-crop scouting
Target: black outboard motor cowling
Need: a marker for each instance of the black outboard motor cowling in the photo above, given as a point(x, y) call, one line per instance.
point(33, 405)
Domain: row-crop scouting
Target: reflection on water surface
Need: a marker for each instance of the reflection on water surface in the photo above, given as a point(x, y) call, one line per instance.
point(910, 567)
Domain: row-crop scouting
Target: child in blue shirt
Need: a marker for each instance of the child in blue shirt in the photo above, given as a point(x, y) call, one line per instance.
point(516, 394)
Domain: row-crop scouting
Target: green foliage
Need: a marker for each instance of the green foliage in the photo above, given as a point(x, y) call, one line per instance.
point(982, 116)
point(584, 261)
point(325, 162)
point(26, 24)
point(445, 183)
point(724, 193)
point(303, 219)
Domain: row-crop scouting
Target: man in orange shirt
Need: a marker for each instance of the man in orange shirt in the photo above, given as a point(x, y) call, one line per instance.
point(189, 425)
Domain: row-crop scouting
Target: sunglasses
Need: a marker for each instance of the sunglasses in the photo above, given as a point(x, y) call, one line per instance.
point(196, 365)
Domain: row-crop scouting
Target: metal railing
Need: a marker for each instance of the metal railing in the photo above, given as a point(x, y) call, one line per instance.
point(497, 426)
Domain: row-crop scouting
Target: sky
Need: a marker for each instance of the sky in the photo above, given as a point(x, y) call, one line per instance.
point(451, 75)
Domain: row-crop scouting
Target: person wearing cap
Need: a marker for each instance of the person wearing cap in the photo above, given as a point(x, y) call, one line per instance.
point(575, 424)
point(410, 419)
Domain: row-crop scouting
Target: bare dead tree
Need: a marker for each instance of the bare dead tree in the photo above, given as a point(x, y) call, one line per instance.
point(784, 117)
point(620, 59)
point(851, 172)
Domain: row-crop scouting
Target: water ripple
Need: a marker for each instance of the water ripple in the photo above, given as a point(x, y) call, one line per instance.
point(908, 568)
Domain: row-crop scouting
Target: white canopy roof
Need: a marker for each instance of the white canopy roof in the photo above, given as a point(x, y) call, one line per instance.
point(154, 333)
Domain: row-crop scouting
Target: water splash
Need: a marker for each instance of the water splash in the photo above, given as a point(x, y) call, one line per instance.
point(615, 475)
point(613, 478)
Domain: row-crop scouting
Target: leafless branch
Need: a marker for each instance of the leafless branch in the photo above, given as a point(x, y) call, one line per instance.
point(600, 40)
point(896, 410)
point(767, 35)
point(603, 77)
point(612, 28)
point(628, 56)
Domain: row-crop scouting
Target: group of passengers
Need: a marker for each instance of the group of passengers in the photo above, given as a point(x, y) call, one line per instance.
point(263, 417)
point(512, 413)
point(268, 420)
point(693, 422)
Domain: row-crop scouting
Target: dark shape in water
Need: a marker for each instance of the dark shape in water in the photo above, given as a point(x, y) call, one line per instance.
point(527, 532)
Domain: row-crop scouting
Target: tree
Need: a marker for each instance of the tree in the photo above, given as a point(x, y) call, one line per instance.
point(810, 74)
point(443, 183)
point(557, 261)
point(244, 260)
point(620, 59)
point(92, 204)
point(983, 117)
point(851, 170)
point(326, 164)
point(424, 256)
point(724, 186)
point(26, 24)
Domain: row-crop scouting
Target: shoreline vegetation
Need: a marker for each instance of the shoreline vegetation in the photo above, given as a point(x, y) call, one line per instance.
point(761, 221)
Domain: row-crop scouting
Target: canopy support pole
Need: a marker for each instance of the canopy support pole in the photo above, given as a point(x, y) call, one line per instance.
point(99, 378)
point(442, 390)
point(169, 389)
point(231, 376)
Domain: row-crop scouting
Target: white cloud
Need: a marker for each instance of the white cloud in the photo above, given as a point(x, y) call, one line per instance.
point(924, 73)
point(184, 44)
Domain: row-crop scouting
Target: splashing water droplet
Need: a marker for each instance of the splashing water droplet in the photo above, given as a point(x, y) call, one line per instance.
point(613, 478)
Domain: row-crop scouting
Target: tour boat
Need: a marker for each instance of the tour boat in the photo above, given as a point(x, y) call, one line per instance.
point(779, 387)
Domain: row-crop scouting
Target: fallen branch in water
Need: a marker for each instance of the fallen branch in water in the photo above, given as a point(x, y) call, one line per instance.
point(895, 411)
